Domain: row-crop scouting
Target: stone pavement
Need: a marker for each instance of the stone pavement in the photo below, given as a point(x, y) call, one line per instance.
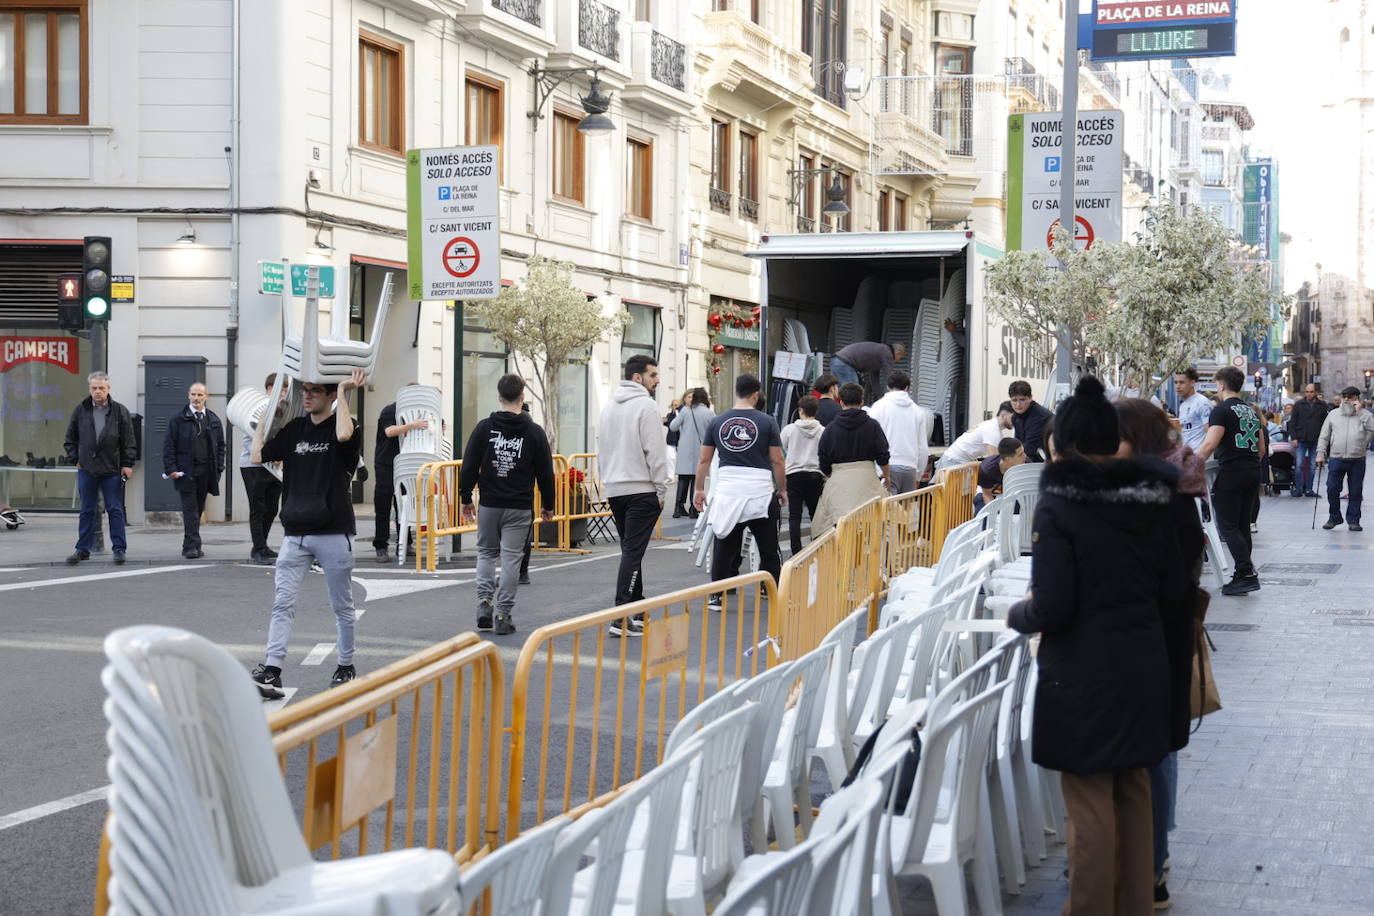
point(1276, 791)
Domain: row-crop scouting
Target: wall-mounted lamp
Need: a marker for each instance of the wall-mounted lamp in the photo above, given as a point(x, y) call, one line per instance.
point(834, 194)
point(189, 236)
point(595, 103)
point(313, 179)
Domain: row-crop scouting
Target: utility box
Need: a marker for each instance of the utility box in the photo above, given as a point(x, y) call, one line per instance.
point(166, 379)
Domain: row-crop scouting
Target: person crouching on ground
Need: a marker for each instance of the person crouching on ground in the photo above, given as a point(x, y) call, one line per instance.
point(849, 449)
point(1105, 571)
point(750, 484)
point(506, 455)
point(993, 470)
point(1344, 438)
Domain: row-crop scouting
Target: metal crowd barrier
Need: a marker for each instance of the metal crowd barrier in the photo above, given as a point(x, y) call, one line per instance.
point(961, 484)
point(438, 511)
point(623, 695)
point(915, 529)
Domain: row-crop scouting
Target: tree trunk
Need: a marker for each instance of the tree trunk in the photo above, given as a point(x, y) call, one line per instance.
point(549, 382)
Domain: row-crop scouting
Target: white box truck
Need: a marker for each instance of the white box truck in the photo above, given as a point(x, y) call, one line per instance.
point(925, 290)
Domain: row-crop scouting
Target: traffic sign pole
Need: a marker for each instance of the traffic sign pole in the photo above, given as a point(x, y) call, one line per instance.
point(1068, 167)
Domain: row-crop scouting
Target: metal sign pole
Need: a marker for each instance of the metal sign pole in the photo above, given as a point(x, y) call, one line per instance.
point(1068, 161)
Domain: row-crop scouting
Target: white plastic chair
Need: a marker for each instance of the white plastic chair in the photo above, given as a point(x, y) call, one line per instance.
point(787, 780)
point(1218, 557)
point(405, 472)
point(1005, 800)
point(704, 713)
point(201, 819)
point(313, 357)
point(419, 397)
point(938, 848)
point(424, 441)
point(514, 873)
point(779, 887)
point(768, 693)
point(832, 747)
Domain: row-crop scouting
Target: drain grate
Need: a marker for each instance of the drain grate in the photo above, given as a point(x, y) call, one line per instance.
point(1232, 627)
point(1288, 583)
point(1354, 621)
point(1318, 568)
point(1341, 611)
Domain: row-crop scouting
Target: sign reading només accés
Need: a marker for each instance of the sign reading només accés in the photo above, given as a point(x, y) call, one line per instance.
point(453, 222)
point(60, 351)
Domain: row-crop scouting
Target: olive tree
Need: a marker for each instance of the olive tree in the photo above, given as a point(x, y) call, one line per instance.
point(547, 321)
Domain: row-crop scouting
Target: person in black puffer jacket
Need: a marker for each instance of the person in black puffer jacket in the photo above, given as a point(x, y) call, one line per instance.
point(1106, 570)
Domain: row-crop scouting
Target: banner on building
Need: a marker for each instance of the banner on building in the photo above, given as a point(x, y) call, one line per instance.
point(59, 351)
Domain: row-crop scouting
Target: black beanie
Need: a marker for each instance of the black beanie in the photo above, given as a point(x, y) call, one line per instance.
point(1086, 423)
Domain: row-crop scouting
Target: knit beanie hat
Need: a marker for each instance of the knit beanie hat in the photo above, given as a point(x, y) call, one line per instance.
point(1086, 422)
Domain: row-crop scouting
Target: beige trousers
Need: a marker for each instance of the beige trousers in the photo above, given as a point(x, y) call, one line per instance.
point(1111, 844)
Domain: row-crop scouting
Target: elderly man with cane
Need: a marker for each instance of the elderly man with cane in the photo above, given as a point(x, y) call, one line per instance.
point(1344, 438)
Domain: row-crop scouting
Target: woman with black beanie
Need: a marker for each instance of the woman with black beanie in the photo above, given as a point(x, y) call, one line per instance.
point(1105, 570)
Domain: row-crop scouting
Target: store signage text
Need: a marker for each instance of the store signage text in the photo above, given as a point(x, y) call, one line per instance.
point(60, 351)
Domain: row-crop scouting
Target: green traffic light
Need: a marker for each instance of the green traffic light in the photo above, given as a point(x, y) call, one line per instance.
point(97, 308)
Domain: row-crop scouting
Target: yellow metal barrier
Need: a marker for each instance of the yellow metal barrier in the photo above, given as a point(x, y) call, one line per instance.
point(961, 483)
point(438, 511)
point(562, 480)
point(617, 699)
point(916, 526)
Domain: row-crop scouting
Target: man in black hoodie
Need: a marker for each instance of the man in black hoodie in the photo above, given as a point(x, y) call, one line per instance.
point(849, 449)
point(506, 455)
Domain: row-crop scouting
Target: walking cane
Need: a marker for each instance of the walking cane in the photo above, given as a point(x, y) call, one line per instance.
point(1315, 502)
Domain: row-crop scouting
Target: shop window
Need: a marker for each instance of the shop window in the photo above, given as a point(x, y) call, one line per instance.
point(569, 154)
point(639, 172)
point(485, 115)
point(43, 63)
point(381, 94)
point(824, 27)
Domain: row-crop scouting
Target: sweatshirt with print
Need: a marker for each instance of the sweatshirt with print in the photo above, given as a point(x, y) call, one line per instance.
point(506, 456)
point(631, 454)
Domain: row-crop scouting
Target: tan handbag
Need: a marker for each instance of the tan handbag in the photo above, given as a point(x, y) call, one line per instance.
point(1203, 696)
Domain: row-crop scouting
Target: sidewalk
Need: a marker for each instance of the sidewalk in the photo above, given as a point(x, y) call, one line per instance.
point(1276, 791)
point(46, 539)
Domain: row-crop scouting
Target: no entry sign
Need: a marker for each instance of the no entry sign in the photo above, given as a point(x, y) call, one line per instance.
point(1083, 237)
point(453, 222)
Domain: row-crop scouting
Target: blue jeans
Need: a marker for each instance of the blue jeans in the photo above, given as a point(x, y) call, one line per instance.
point(1163, 790)
point(111, 490)
point(334, 553)
point(843, 371)
point(1305, 466)
point(1340, 468)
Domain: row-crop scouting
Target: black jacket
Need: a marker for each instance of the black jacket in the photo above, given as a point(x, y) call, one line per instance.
point(1107, 573)
point(178, 449)
point(1029, 427)
point(1306, 423)
point(117, 447)
point(506, 455)
point(388, 447)
point(1178, 619)
point(852, 436)
point(827, 410)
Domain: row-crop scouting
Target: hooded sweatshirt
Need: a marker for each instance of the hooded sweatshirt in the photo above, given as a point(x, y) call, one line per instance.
point(907, 427)
point(1346, 432)
point(801, 441)
point(852, 436)
point(632, 456)
point(506, 455)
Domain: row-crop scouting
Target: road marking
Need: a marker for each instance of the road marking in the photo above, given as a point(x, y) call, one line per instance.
point(271, 706)
point(15, 569)
point(318, 654)
point(47, 809)
point(377, 589)
point(99, 577)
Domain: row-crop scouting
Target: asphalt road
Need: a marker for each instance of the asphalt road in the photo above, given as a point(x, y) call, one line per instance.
point(53, 749)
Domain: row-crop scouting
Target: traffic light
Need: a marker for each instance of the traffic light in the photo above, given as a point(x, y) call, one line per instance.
point(69, 309)
point(95, 276)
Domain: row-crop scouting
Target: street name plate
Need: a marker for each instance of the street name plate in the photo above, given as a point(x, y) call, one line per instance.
point(271, 277)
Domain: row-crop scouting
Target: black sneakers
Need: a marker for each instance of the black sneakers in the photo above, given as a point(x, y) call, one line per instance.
point(382, 555)
point(261, 559)
point(1241, 585)
point(342, 675)
point(77, 557)
point(504, 626)
point(267, 678)
point(484, 615)
point(1162, 901)
point(1330, 523)
point(119, 558)
point(627, 626)
point(1356, 527)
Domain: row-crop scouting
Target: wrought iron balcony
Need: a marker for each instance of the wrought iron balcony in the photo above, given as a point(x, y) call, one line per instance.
point(749, 209)
point(806, 224)
point(668, 62)
point(598, 28)
point(720, 200)
point(530, 11)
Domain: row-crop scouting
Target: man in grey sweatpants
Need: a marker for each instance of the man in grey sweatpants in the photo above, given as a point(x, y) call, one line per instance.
point(505, 457)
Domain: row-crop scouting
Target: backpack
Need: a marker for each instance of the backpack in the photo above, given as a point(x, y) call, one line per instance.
point(906, 774)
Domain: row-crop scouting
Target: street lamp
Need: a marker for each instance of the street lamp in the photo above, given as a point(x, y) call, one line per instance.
point(834, 194)
point(595, 103)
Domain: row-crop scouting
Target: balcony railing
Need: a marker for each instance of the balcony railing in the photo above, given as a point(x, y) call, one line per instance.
point(749, 209)
point(720, 200)
point(598, 28)
point(806, 224)
point(530, 11)
point(668, 62)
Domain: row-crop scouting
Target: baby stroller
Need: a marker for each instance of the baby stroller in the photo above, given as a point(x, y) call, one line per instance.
point(10, 516)
point(1282, 465)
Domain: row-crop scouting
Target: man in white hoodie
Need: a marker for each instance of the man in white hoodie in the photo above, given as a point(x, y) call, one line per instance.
point(907, 427)
point(801, 441)
point(1344, 438)
point(632, 459)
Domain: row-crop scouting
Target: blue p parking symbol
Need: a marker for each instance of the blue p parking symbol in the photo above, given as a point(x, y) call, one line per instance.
point(1051, 163)
point(445, 193)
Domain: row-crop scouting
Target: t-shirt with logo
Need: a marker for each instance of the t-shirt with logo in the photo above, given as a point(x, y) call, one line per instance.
point(742, 439)
point(1194, 416)
point(316, 471)
point(1240, 443)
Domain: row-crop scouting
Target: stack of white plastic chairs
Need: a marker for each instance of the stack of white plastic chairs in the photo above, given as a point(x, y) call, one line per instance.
point(419, 447)
point(314, 357)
